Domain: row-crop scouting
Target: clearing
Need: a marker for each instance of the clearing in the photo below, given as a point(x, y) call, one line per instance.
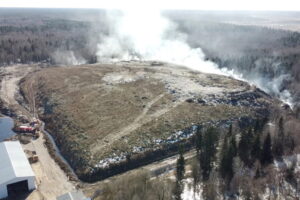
point(102, 115)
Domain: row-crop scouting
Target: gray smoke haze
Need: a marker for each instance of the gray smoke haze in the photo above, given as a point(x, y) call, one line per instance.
point(271, 85)
point(147, 35)
point(67, 58)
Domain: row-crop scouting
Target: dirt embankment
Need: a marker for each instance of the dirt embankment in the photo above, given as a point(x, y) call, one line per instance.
point(50, 178)
point(110, 118)
point(10, 77)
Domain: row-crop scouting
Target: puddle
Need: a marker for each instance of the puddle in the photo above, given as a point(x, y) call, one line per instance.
point(6, 125)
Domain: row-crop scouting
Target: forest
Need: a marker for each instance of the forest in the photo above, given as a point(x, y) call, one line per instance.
point(66, 36)
point(33, 36)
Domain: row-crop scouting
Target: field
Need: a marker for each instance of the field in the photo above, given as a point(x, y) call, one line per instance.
point(103, 115)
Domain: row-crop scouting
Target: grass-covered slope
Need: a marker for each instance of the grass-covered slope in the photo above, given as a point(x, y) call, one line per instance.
point(123, 115)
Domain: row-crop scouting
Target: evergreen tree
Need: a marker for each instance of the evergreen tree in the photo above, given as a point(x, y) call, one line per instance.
point(178, 189)
point(281, 128)
point(208, 151)
point(289, 143)
point(205, 164)
point(180, 170)
point(264, 121)
point(223, 158)
point(198, 140)
point(196, 174)
point(257, 173)
point(278, 148)
point(279, 140)
point(257, 126)
point(226, 164)
point(267, 156)
point(256, 149)
point(233, 145)
point(229, 134)
point(245, 145)
point(180, 166)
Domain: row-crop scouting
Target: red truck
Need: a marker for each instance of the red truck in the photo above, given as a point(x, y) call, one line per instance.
point(26, 129)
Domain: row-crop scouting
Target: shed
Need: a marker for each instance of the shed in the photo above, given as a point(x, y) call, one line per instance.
point(16, 174)
point(73, 195)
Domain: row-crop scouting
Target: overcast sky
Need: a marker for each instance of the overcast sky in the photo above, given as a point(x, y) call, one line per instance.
point(161, 4)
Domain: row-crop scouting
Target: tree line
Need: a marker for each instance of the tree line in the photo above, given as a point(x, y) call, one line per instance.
point(229, 164)
point(37, 42)
point(225, 159)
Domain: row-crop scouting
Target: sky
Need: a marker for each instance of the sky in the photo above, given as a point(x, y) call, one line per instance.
point(285, 5)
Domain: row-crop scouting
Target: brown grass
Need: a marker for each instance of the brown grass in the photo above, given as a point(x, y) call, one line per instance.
point(91, 117)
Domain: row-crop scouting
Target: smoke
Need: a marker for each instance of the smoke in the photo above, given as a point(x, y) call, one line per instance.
point(272, 86)
point(67, 58)
point(144, 34)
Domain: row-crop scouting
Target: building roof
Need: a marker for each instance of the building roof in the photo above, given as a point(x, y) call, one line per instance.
point(74, 195)
point(14, 163)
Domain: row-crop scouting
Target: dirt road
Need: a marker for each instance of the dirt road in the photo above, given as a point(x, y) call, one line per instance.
point(109, 139)
point(140, 120)
point(163, 167)
point(50, 179)
point(9, 86)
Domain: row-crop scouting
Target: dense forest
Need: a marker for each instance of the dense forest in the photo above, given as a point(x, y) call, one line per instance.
point(55, 36)
point(247, 164)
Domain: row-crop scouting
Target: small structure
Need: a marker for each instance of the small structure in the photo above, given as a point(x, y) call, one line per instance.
point(16, 174)
point(74, 195)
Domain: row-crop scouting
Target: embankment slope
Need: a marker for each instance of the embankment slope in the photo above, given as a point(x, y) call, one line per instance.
point(108, 118)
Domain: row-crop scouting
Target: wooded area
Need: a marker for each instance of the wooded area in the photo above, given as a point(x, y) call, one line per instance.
point(71, 37)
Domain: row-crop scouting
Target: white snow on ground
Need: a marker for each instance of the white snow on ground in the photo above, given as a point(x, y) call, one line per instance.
point(188, 192)
point(288, 161)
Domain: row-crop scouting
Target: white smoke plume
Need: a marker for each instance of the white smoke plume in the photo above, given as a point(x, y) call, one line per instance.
point(67, 58)
point(144, 34)
point(272, 86)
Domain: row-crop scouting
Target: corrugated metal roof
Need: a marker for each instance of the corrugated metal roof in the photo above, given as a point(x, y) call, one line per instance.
point(13, 162)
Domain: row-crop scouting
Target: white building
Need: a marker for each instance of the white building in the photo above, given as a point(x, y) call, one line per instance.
point(15, 171)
